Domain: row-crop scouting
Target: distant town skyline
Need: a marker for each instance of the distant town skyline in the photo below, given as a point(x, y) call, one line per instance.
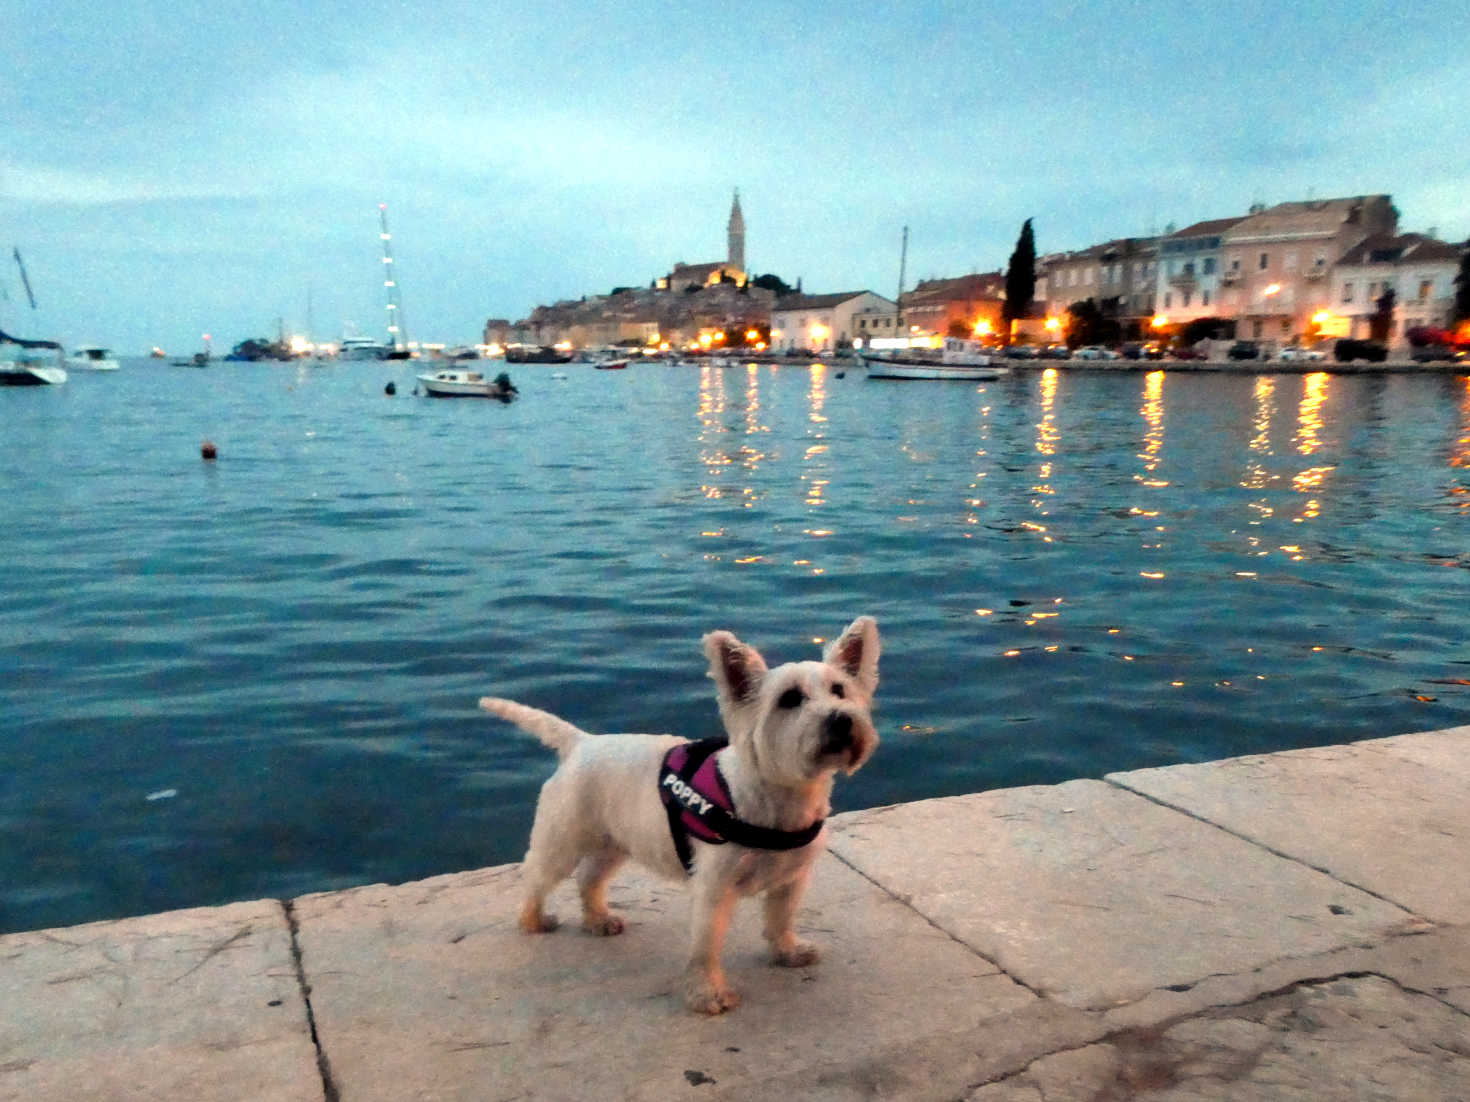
point(215, 172)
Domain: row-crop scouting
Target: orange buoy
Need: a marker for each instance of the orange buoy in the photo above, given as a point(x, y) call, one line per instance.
point(207, 450)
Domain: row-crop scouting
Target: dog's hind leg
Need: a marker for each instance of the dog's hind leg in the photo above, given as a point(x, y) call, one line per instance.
point(592, 878)
point(549, 860)
point(780, 904)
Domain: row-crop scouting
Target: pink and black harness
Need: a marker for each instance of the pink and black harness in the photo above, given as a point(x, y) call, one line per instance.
point(698, 803)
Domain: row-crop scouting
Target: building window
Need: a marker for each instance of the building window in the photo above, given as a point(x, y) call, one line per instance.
point(1187, 297)
point(1204, 298)
point(1209, 268)
point(1235, 264)
point(1168, 299)
point(1426, 288)
point(1265, 261)
point(1347, 292)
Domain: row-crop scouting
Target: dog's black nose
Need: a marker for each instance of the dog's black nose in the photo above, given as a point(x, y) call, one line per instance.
point(837, 733)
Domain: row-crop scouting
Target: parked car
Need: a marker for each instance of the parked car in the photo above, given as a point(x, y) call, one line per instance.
point(1094, 352)
point(1021, 352)
point(1133, 350)
point(1348, 350)
point(1188, 354)
point(1434, 353)
point(1153, 350)
point(1296, 353)
point(1056, 352)
point(1245, 350)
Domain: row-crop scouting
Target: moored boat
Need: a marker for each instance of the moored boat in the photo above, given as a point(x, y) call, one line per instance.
point(91, 357)
point(610, 365)
point(528, 354)
point(958, 359)
point(30, 363)
point(362, 348)
point(456, 383)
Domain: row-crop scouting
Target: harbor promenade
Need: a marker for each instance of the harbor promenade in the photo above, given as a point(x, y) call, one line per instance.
point(1284, 926)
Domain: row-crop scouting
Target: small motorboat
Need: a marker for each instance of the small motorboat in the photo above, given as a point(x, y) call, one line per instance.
point(610, 365)
point(457, 383)
point(91, 357)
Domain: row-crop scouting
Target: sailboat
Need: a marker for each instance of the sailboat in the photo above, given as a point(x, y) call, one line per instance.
point(396, 332)
point(32, 362)
point(959, 358)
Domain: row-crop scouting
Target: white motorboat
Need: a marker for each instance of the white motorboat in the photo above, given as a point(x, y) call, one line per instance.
point(456, 383)
point(91, 357)
point(30, 363)
point(958, 359)
point(362, 348)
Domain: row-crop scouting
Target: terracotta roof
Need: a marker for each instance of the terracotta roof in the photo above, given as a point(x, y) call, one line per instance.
point(815, 302)
point(1406, 248)
point(1204, 229)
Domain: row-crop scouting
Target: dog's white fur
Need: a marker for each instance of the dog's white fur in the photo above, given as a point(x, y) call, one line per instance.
point(791, 729)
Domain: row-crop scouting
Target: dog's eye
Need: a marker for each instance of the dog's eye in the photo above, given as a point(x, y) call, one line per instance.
point(837, 691)
point(791, 698)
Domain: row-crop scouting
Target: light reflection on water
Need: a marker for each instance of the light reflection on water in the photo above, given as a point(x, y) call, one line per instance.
point(1074, 573)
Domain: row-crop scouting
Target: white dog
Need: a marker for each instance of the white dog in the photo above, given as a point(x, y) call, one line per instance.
point(736, 820)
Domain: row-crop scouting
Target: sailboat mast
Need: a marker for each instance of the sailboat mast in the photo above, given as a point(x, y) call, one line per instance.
point(903, 258)
point(396, 331)
point(25, 279)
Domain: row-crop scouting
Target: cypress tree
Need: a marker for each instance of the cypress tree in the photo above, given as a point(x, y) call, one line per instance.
point(1021, 276)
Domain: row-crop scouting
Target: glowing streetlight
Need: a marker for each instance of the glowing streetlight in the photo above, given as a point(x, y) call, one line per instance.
point(1159, 321)
point(983, 328)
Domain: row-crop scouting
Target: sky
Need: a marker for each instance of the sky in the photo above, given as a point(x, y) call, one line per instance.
point(172, 168)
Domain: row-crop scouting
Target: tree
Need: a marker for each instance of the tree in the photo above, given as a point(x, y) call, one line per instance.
point(1020, 277)
point(1462, 288)
point(1380, 324)
point(771, 283)
point(1086, 325)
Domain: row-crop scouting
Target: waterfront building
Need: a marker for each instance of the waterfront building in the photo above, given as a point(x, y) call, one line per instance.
point(822, 323)
point(1278, 261)
point(936, 306)
point(1419, 269)
point(1187, 284)
point(1119, 276)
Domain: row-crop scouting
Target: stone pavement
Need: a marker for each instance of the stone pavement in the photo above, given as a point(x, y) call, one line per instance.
point(1283, 926)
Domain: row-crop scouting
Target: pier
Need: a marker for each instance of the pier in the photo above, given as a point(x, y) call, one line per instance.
point(1281, 925)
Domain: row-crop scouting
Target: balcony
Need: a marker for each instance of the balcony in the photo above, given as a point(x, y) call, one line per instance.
point(1229, 279)
point(1183, 280)
point(1315, 273)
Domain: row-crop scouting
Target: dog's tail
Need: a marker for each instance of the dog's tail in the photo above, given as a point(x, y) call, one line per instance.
point(552, 730)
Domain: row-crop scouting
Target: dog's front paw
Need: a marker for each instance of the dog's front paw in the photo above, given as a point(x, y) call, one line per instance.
point(707, 997)
point(605, 925)
point(798, 954)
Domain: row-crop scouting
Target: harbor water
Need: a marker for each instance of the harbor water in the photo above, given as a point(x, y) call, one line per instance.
point(257, 675)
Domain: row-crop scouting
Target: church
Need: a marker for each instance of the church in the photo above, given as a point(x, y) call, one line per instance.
point(729, 270)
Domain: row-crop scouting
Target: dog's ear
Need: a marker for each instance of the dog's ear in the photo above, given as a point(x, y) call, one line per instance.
point(856, 653)
point(737, 669)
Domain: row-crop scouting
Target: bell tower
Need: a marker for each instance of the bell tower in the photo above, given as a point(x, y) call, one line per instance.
point(735, 236)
